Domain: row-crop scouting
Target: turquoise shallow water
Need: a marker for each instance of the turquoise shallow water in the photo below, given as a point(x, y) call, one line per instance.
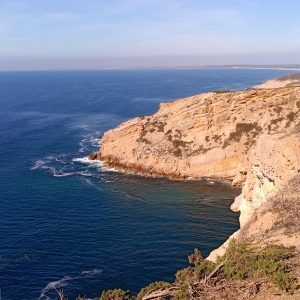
point(79, 226)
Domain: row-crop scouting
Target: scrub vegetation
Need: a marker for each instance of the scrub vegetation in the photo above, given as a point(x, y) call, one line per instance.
point(240, 273)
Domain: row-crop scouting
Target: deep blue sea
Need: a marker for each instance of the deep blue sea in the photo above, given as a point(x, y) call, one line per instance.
point(82, 227)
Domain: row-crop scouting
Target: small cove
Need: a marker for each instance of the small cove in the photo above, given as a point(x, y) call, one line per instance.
point(80, 226)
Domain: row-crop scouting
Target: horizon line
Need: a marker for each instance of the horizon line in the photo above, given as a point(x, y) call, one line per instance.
point(287, 67)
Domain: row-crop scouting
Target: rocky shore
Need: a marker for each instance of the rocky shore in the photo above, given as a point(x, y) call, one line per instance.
point(251, 137)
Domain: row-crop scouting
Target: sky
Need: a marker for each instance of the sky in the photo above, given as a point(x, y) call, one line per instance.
point(92, 34)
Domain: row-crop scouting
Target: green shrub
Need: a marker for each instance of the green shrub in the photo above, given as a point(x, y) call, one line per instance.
point(180, 143)
point(116, 294)
point(246, 261)
point(177, 152)
point(182, 294)
point(277, 109)
point(221, 92)
point(143, 140)
point(275, 121)
point(240, 130)
point(291, 116)
point(195, 258)
point(153, 287)
point(200, 150)
point(242, 260)
point(216, 138)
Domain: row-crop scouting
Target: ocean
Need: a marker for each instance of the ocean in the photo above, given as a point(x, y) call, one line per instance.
point(80, 226)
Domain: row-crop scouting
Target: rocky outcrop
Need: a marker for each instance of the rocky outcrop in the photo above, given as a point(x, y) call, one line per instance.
point(250, 137)
point(210, 134)
point(274, 162)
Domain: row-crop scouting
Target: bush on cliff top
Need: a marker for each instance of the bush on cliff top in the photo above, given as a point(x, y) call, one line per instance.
point(116, 294)
point(241, 270)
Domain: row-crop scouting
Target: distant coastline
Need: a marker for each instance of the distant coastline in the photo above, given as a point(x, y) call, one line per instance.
point(242, 67)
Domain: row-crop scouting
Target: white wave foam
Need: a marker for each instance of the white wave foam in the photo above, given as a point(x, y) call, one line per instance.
point(91, 273)
point(89, 140)
point(39, 163)
point(85, 173)
point(65, 281)
point(110, 170)
point(55, 285)
point(55, 174)
point(51, 157)
point(85, 160)
point(97, 163)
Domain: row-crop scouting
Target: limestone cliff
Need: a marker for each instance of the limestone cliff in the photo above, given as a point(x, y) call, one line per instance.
point(251, 137)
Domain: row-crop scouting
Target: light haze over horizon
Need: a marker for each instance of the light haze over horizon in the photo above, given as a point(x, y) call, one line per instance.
point(91, 34)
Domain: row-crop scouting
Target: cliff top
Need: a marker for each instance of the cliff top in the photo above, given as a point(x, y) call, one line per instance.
point(284, 81)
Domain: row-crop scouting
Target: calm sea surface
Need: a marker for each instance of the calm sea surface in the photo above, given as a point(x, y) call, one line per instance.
point(82, 227)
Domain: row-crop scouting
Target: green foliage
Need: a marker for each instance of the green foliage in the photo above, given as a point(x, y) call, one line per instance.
point(275, 121)
point(278, 109)
point(240, 130)
point(186, 275)
point(226, 144)
point(153, 287)
point(216, 138)
point(182, 294)
point(191, 274)
point(269, 127)
point(245, 261)
point(116, 294)
point(180, 143)
point(242, 260)
point(161, 127)
point(143, 133)
point(143, 140)
point(207, 138)
point(177, 152)
point(291, 116)
point(178, 133)
point(221, 92)
point(200, 150)
point(195, 258)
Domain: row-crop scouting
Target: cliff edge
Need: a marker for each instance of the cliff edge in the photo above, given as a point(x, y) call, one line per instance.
point(251, 137)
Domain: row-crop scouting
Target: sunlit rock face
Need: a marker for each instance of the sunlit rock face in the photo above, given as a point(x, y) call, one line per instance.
point(250, 137)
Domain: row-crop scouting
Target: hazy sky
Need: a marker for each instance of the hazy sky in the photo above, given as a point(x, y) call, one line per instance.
point(112, 33)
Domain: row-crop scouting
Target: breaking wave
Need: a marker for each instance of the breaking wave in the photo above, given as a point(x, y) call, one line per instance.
point(65, 281)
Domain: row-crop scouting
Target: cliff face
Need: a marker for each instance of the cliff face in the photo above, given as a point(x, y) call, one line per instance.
point(274, 161)
point(206, 135)
point(251, 137)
